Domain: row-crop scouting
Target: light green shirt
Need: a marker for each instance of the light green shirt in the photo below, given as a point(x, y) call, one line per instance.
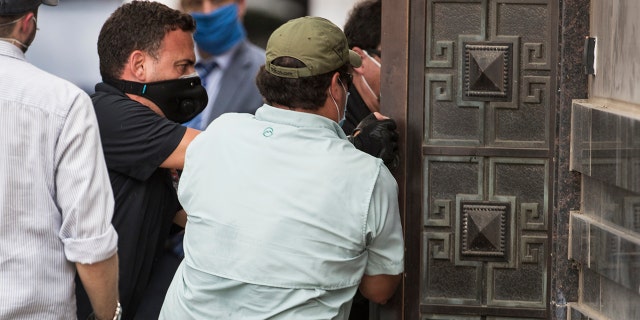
point(285, 217)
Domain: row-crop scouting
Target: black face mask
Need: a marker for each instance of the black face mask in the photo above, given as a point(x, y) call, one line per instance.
point(179, 99)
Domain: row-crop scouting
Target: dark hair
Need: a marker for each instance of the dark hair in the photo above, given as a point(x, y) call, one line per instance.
point(6, 29)
point(138, 25)
point(363, 25)
point(307, 93)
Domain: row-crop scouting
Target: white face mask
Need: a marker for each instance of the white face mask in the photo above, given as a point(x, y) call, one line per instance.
point(342, 119)
point(366, 83)
point(372, 59)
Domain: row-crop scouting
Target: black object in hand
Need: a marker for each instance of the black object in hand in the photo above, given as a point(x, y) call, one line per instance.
point(377, 138)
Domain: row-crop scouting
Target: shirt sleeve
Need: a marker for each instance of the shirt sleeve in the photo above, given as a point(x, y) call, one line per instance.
point(384, 231)
point(135, 139)
point(83, 190)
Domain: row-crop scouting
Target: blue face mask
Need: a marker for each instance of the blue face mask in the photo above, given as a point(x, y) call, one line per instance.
point(218, 31)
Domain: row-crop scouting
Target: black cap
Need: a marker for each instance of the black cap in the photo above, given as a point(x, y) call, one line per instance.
point(10, 7)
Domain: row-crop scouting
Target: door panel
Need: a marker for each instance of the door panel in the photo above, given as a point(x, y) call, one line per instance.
point(480, 79)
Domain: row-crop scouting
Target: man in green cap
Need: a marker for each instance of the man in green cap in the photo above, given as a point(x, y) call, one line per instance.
point(286, 218)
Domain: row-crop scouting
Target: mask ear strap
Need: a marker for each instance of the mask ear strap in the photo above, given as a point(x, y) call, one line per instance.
point(15, 41)
point(342, 85)
point(128, 86)
point(335, 104)
point(372, 59)
point(366, 84)
point(10, 22)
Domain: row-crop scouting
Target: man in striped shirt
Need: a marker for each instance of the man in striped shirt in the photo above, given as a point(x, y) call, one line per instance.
point(55, 200)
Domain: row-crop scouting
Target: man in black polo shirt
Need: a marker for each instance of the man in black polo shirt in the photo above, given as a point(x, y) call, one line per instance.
point(149, 87)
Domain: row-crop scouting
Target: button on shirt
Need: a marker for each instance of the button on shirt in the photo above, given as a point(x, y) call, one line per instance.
point(56, 203)
point(285, 217)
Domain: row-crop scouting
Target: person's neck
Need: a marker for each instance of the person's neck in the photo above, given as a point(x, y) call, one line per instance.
point(322, 111)
point(146, 102)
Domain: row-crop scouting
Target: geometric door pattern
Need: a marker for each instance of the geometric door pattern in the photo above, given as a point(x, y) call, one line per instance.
point(485, 236)
point(487, 152)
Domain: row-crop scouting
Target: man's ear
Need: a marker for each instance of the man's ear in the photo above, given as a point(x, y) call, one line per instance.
point(26, 23)
point(360, 52)
point(336, 86)
point(135, 67)
point(242, 8)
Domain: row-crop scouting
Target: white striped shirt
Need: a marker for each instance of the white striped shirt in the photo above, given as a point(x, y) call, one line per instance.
point(56, 201)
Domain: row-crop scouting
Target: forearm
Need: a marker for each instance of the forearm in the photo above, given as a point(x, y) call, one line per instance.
point(180, 218)
point(379, 288)
point(100, 281)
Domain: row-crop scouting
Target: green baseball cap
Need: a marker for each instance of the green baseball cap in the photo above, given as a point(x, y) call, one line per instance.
point(315, 41)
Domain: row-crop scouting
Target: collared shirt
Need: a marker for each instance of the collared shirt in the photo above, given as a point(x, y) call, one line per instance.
point(284, 218)
point(56, 203)
point(211, 80)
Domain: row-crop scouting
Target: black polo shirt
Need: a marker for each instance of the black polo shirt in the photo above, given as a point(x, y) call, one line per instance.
point(356, 110)
point(135, 141)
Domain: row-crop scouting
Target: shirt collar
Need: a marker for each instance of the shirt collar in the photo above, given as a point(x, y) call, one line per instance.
point(298, 119)
point(9, 49)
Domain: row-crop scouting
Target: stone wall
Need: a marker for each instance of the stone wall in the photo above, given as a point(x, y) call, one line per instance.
point(605, 149)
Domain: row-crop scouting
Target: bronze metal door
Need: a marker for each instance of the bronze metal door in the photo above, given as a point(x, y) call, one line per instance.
point(480, 145)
